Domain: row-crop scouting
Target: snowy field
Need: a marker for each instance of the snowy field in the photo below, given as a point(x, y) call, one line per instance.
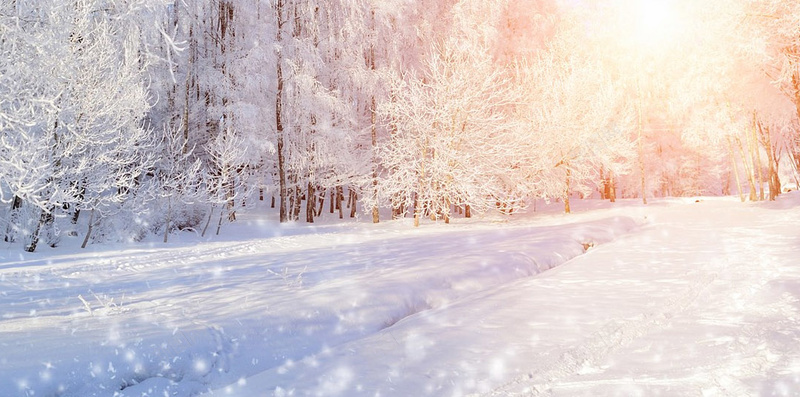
point(677, 298)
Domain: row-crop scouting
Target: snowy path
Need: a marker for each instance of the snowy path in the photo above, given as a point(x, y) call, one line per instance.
point(704, 301)
point(695, 309)
point(701, 300)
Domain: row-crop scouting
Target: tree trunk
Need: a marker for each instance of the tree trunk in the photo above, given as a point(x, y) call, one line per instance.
point(756, 153)
point(45, 219)
point(310, 203)
point(321, 202)
point(417, 210)
point(231, 192)
point(76, 213)
point(751, 177)
point(279, 114)
point(612, 188)
point(208, 221)
point(567, 208)
point(373, 124)
point(772, 177)
point(640, 144)
point(169, 218)
point(219, 223)
point(188, 83)
point(89, 229)
point(354, 203)
point(290, 207)
point(603, 184)
point(736, 170)
point(375, 212)
point(16, 203)
point(298, 203)
point(397, 207)
point(339, 199)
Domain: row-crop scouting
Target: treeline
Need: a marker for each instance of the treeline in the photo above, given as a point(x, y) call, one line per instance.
point(138, 117)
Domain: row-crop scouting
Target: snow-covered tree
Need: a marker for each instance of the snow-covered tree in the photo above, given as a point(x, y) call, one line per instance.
point(83, 93)
point(452, 129)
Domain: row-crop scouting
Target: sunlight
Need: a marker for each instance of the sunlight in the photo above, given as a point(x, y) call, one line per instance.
point(656, 22)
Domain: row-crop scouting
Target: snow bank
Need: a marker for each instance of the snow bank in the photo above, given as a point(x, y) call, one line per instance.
point(180, 319)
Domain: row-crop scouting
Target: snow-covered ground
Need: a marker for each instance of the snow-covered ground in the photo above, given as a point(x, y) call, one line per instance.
point(677, 298)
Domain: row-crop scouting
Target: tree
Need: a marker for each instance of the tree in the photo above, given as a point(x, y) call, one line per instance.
point(580, 120)
point(87, 138)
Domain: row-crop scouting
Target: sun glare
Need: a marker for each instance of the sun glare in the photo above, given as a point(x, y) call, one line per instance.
point(656, 22)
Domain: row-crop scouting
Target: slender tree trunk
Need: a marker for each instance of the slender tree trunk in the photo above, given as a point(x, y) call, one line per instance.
point(279, 114)
point(298, 203)
point(89, 229)
point(208, 221)
point(310, 203)
point(321, 199)
point(375, 212)
point(339, 199)
point(417, 210)
point(169, 218)
point(567, 208)
point(290, 207)
point(219, 223)
point(45, 219)
point(756, 153)
point(640, 144)
point(417, 204)
point(188, 82)
point(16, 203)
point(321, 202)
point(736, 170)
point(748, 167)
point(612, 188)
point(603, 184)
point(231, 193)
point(76, 213)
point(772, 177)
point(354, 205)
point(373, 124)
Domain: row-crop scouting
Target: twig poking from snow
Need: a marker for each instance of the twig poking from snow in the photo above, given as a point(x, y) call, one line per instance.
point(287, 278)
point(86, 305)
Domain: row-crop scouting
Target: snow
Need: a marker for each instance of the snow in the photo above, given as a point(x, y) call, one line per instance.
point(679, 297)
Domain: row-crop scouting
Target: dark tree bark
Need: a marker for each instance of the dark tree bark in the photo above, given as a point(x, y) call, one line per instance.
point(284, 216)
point(339, 199)
point(310, 203)
point(45, 219)
point(16, 204)
point(353, 205)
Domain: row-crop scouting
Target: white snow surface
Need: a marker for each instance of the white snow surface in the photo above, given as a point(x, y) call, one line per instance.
point(682, 297)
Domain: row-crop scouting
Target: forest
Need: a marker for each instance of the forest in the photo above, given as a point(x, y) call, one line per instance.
point(124, 118)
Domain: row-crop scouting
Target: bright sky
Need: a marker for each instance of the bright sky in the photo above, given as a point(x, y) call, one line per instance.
point(657, 22)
